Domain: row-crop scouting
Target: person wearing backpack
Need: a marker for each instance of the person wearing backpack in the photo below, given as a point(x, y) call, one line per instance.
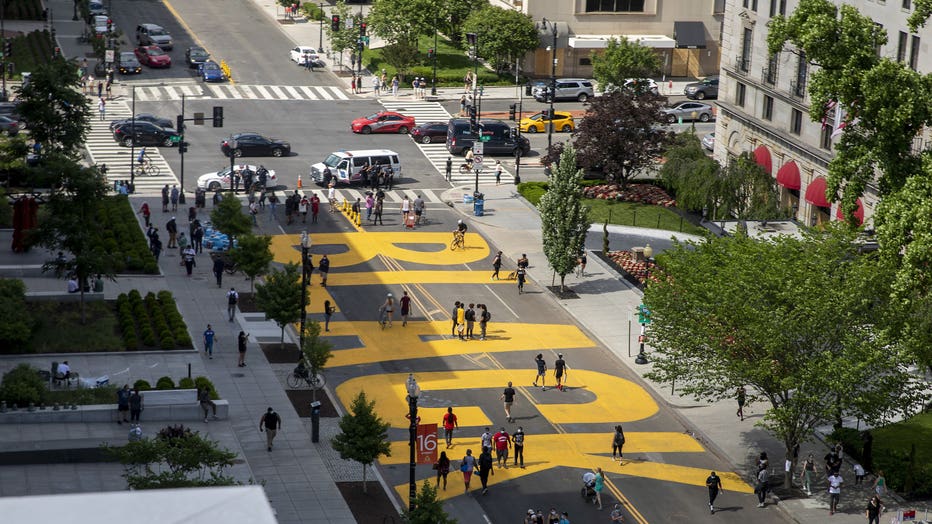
point(271, 423)
point(484, 317)
point(232, 299)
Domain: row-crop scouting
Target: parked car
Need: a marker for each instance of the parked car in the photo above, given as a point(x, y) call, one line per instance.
point(705, 88)
point(383, 122)
point(300, 53)
point(128, 64)
point(708, 141)
point(144, 134)
point(9, 125)
point(686, 110)
point(196, 55)
point(562, 121)
point(210, 71)
point(503, 140)
point(144, 117)
point(430, 132)
point(151, 34)
point(638, 84)
point(566, 89)
point(254, 144)
point(221, 179)
point(153, 56)
point(96, 8)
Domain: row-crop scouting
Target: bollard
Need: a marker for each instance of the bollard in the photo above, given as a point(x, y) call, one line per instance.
point(315, 421)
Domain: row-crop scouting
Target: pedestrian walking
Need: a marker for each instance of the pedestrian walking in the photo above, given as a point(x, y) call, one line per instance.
point(144, 211)
point(324, 269)
point(254, 211)
point(496, 265)
point(617, 515)
point(498, 172)
point(880, 484)
point(377, 211)
point(449, 168)
point(388, 308)
point(484, 318)
point(742, 396)
point(156, 247)
point(520, 275)
point(198, 237)
point(370, 203)
point(581, 261)
point(395, 86)
point(209, 337)
point(172, 228)
point(874, 509)
point(714, 483)
point(405, 302)
point(135, 405)
point(460, 320)
point(470, 321)
point(450, 422)
point(405, 210)
point(188, 257)
point(508, 396)
point(518, 440)
point(456, 308)
point(353, 85)
point(328, 312)
point(218, 271)
point(502, 441)
point(541, 370)
point(232, 300)
point(418, 209)
point(207, 405)
point(173, 197)
point(618, 442)
point(834, 491)
point(102, 109)
point(443, 463)
point(763, 481)
point(273, 204)
point(123, 395)
point(485, 469)
point(376, 84)
point(241, 342)
point(807, 473)
point(303, 207)
point(270, 423)
point(599, 485)
point(859, 474)
point(467, 465)
point(315, 207)
point(560, 373)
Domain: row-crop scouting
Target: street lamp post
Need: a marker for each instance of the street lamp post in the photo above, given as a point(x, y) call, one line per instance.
point(413, 392)
point(545, 24)
point(74, 17)
point(433, 83)
point(320, 36)
point(305, 248)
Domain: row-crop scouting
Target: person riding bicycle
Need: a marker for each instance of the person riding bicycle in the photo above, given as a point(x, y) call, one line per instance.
point(140, 159)
point(301, 370)
point(459, 234)
point(469, 157)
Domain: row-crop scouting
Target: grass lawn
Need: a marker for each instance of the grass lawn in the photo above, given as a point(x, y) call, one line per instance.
point(60, 329)
point(900, 436)
point(638, 215)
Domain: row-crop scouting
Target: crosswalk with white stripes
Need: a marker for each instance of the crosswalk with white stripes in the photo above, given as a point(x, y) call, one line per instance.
point(432, 197)
point(424, 111)
point(104, 150)
point(150, 93)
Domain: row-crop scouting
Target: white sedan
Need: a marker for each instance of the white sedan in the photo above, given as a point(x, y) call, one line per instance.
point(221, 179)
point(299, 53)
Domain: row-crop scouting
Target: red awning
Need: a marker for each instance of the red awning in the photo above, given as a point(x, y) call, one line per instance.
point(788, 176)
point(858, 214)
point(815, 193)
point(762, 157)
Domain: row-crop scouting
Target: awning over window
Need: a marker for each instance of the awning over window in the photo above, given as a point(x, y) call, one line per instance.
point(762, 157)
point(601, 41)
point(815, 193)
point(788, 176)
point(858, 214)
point(689, 35)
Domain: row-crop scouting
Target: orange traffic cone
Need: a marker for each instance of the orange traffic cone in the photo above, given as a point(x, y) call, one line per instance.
point(300, 185)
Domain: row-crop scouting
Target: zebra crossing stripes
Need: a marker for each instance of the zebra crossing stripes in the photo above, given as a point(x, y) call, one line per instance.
point(395, 196)
point(239, 92)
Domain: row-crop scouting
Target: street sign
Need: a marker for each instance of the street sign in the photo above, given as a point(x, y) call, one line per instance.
point(485, 138)
point(108, 55)
point(477, 161)
point(426, 443)
point(478, 148)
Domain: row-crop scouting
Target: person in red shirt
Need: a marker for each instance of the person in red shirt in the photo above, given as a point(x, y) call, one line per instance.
point(315, 208)
point(449, 423)
point(502, 442)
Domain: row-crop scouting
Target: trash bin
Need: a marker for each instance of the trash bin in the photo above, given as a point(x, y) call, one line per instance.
point(478, 207)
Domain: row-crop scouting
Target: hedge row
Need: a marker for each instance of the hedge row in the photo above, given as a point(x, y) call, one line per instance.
point(904, 474)
point(153, 322)
point(166, 382)
point(120, 236)
point(22, 10)
point(31, 51)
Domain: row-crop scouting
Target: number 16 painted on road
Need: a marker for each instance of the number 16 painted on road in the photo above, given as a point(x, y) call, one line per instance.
point(426, 443)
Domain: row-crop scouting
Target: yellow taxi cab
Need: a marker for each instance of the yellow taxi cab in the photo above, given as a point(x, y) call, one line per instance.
point(537, 123)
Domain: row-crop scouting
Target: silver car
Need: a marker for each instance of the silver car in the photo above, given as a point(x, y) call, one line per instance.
point(688, 110)
point(708, 141)
point(579, 89)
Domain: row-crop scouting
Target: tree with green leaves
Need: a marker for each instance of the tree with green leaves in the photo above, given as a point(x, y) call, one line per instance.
point(428, 509)
point(18, 322)
point(504, 35)
point(745, 191)
point(345, 38)
point(623, 59)
point(69, 224)
point(363, 435)
point(397, 21)
point(401, 55)
point(796, 319)
point(228, 217)
point(689, 173)
point(316, 351)
point(57, 112)
point(280, 297)
point(563, 217)
point(252, 255)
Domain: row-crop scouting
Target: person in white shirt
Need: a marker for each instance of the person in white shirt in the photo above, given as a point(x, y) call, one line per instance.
point(73, 285)
point(405, 210)
point(64, 370)
point(332, 197)
point(834, 492)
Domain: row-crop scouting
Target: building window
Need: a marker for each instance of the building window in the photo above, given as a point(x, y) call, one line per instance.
point(754, 5)
point(615, 6)
point(802, 70)
point(719, 7)
point(768, 108)
point(740, 94)
point(796, 121)
point(770, 74)
point(878, 46)
point(585, 61)
point(913, 52)
point(744, 64)
point(826, 141)
point(901, 47)
point(777, 7)
point(907, 4)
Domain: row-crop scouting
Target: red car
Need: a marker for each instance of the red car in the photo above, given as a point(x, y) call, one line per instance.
point(153, 56)
point(384, 122)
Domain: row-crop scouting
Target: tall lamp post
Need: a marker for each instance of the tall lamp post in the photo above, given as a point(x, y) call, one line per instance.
point(550, 24)
point(305, 276)
point(414, 391)
point(320, 35)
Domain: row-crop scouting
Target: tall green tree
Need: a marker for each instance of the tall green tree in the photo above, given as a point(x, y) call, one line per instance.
point(745, 191)
point(228, 217)
point(796, 319)
point(398, 21)
point(18, 322)
point(69, 224)
point(564, 219)
point(316, 351)
point(363, 435)
point(253, 256)
point(57, 112)
point(428, 509)
point(345, 38)
point(504, 35)
point(689, 173)
point(623, 59)
point(401, 55)
point(280, 297)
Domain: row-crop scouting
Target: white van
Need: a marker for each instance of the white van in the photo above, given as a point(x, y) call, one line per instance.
point(346, 165)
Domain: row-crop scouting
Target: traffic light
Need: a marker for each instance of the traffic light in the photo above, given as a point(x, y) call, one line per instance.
point(512, 110)
point(473, 121)
point(335, 22)
point(182, 147)
point(362, 29)
point(218, 116)
point(179, 123)
point(8, 48)
point(9, 69)
point(431, 54)
point(109, 25)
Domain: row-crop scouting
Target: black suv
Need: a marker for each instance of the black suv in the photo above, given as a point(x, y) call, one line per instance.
point(145, 133)
point(503, 140)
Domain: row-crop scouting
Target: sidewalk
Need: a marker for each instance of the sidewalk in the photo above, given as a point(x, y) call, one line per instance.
point(603, 307)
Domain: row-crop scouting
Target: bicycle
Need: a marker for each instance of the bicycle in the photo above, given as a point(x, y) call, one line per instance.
point(301, 377)
point(459, 241)
point(147, 167)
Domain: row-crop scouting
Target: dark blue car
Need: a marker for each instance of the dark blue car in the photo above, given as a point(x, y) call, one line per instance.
point(210, 71)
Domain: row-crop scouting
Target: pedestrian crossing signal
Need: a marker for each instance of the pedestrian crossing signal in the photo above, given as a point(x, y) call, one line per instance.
point(218, 116)
point(512, 110)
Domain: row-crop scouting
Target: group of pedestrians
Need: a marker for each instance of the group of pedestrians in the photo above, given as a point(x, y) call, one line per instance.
point(387, 309)
point(299, 205)
point(465, 318)
point(560, 372)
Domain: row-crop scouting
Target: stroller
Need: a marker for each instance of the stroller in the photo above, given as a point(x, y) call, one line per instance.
point(588, 489)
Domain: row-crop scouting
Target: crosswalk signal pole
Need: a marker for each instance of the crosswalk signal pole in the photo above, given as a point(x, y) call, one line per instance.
point(181, 149)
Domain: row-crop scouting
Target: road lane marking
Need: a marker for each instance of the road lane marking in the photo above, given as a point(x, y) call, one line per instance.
point(174, 12)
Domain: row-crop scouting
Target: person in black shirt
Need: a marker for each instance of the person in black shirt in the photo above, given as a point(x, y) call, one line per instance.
point(559, 371)
point(508, 395)
point(714, 483)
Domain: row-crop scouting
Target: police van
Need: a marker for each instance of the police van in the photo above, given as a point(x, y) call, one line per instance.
point(345, 166)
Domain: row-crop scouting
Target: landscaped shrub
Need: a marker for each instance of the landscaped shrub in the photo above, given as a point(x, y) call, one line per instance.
point(165, 383)
point(22, 385)
point(202, 382)
point(142, 385)
point(186, 383)
point(532, 191)
point(17, 324)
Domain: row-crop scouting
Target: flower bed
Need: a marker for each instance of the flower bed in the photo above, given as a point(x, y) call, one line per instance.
point(627, 262)
point(642, 193)
point(151, 323)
